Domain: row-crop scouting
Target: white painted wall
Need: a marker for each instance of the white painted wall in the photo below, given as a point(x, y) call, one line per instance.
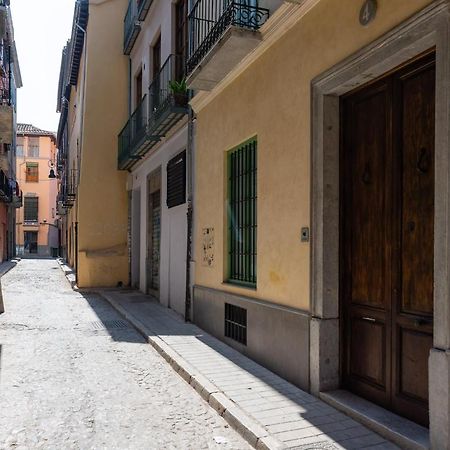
point(173, 226)
point(135, 238)
point(159, 21)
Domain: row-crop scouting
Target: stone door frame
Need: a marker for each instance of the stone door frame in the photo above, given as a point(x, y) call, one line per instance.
point(430, 28)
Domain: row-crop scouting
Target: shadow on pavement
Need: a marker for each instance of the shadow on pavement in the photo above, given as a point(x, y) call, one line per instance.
point(111, 322)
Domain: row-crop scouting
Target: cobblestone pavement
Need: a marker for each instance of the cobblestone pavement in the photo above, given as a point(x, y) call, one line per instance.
point(75, 375)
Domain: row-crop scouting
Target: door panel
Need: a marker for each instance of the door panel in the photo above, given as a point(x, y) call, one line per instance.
point(387, 239)
point(366, 291)
point(368, 350)
point(413, 315)
point(418, 191)
point(368, 202)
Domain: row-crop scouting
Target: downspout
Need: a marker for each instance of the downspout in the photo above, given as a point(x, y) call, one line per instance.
point(190, 212)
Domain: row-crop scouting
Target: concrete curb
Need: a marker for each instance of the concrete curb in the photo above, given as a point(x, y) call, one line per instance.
point(246, 426)
point(68, 273)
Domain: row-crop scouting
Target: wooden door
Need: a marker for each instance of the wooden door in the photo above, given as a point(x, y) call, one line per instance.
point(181, 38)
point(387, 222)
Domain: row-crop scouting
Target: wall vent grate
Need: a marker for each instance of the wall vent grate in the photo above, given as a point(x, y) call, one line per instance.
point(236, 323)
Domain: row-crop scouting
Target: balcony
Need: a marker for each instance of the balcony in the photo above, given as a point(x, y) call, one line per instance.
point(155, 116)
point(17, 197)
point(222, 33)
point(6, 191)
point(136, 13)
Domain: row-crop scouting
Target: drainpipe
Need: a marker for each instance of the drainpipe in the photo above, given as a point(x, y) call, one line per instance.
point(190, 211)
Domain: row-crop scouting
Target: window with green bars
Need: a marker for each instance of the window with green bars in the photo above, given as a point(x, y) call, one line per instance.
point(242, 217)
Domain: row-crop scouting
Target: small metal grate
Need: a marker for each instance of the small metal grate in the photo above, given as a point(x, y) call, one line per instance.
point(316, 446)
point(236, 323)
point(109, 324)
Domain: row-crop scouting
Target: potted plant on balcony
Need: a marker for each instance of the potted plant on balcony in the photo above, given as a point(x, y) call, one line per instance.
point(179, 92)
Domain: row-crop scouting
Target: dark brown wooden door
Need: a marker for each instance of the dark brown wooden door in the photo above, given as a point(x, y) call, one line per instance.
point(181, 37)
point(156, 58)
point(387, 222)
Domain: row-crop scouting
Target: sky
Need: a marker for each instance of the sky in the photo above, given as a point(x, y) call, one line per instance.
point(42, 28)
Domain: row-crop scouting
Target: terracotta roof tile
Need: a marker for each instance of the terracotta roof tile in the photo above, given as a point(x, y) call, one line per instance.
point(28, 129)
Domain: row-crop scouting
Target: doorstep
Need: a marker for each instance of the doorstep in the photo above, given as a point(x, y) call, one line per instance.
point(268, 411)
point(403, 432)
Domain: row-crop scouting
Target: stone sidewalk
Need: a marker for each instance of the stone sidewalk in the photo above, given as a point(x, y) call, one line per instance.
point(268, 411)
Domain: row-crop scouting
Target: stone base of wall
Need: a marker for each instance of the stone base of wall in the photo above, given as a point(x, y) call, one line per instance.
point(277, 336)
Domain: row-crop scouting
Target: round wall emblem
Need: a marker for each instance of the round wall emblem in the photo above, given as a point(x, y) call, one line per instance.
point(368, 12)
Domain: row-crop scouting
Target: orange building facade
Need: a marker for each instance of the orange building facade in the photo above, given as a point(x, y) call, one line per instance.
point(36, 221)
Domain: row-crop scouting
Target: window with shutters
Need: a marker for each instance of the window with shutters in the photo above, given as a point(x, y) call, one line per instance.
point(32, 173)
point(33, 147)
point(176, 180)
point(242, 214)
point(31, 209)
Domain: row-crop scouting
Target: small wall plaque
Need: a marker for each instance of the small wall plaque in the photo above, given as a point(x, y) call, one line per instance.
point(208, 247)
point(368, 12)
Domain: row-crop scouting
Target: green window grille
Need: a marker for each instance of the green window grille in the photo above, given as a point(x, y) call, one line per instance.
point(242, 223)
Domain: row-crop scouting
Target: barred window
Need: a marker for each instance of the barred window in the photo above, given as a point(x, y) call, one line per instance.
point(31, 209)
point(242, 217)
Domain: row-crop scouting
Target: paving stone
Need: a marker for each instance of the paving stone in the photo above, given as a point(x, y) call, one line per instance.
point(64, 389)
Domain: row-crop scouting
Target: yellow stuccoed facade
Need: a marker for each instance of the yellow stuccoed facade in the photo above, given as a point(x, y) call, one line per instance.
point(101, 208)
point(271, 98)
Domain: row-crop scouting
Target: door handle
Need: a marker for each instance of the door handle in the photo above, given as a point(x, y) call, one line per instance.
point(369, 319)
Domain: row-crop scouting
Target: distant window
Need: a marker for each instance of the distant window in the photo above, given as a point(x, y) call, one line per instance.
point(32, 173)
point(33, 147)
point(31, 209)
point(19, 146)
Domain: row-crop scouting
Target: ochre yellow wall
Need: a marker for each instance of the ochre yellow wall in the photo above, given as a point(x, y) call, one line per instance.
point(102, 195)
point(272, 100)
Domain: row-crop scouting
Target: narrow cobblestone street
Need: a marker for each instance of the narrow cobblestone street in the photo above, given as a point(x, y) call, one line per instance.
point(75, 375)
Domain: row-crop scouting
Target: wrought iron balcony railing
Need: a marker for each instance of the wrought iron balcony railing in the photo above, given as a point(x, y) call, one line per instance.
point(136, 13)
point(17, 196)
point(209, 19)
point(165, 105)
point(167, 92)
point(6, 190)
point(133, 135)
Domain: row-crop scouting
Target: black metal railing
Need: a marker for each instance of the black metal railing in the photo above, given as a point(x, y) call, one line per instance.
point(68, 188)
point(136, 12)
point(6, 190)
point(131, 27)
point(134, 132)
point(209, 19)
point(168, 88)
point(165, 105)
point(7, 92)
